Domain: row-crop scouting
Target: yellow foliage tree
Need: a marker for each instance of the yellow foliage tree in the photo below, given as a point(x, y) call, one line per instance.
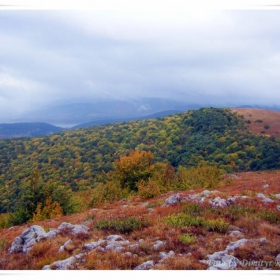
point(49, 211)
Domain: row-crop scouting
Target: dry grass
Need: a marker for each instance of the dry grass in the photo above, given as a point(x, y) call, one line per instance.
point(270, 117)
point(243, 215)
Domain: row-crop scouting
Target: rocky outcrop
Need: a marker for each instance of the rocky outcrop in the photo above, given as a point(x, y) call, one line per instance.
point(145, 266)
point(159, 244)
point(172, 200)
point(264, 198)
point(62, 248)
point(111, 243)
point(63, 264)
point(74, 229)
point(29, 237)
point(163, 256)
point(219, 202)
point(32, 235)
point(223, 260)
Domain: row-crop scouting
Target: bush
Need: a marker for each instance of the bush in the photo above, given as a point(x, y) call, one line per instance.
point(269, 216)
point(121, 225)
point(203, 176)
point(183, 219)
point(106, 193)
point(218, 225)
point(5, 220)
point(187, 239)
point(193, 209)
point(148, 189)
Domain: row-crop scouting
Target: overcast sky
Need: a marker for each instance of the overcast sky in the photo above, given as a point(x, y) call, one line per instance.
point(215, 56)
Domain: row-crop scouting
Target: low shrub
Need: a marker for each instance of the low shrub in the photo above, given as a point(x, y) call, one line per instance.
point(269, 216)
point(183, 219)
point(193, 209)
point(187, 239)
point(217, 225)
point(121, 225)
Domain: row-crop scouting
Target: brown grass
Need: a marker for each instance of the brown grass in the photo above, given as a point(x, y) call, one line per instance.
point(270, 117)
point(207, 242)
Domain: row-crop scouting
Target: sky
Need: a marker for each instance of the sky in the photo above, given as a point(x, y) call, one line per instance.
point(215, 56)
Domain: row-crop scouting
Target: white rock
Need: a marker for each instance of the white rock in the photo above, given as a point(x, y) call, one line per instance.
point(236, 233)
point(277, 259)
point(75, 229)
point(234, 245)
point(218, 202)
point(145, 266)
point(172, 200)
point(267, 200)
point(261, 195)
point(29, 238)
point(278, 207)
point(163, 256)
point(265, 186)
point(277, 195)
point(62, 248)
point(158, 245)
point(115, 237)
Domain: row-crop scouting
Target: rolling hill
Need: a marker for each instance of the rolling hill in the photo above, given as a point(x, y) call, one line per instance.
point(78, 158)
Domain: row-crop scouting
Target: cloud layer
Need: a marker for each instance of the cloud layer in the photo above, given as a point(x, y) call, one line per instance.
point(214, 57)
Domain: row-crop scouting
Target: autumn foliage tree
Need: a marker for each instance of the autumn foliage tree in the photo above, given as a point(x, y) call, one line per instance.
point(130, 169)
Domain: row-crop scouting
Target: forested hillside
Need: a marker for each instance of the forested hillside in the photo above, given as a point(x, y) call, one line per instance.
point(76, 159)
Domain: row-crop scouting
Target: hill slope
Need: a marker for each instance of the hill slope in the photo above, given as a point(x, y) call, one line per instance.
point(193, 232)
point(77, 158)
point(260, 121)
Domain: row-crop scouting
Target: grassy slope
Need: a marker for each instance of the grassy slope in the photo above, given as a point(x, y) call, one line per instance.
point(270, 117)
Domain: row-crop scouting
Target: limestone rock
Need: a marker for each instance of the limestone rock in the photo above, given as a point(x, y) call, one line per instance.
point(158, 245)
point(28, 238)
point(75, 229)
point(145, 266)
point(62, 248)
point(222, 261)
point(218, 202)
point(236, 233)
point(268, 200)
point(63, 264)
point(172, 200)
point(163, 256)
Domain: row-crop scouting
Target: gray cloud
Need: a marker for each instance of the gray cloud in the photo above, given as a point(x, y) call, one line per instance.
point(221, 57)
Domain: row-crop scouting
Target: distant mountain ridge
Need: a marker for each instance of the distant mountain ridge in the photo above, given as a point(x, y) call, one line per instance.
point(15, 130)
point(111, 121)
point(72, 114)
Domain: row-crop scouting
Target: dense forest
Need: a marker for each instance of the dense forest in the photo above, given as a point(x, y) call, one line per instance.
point(77, 160)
